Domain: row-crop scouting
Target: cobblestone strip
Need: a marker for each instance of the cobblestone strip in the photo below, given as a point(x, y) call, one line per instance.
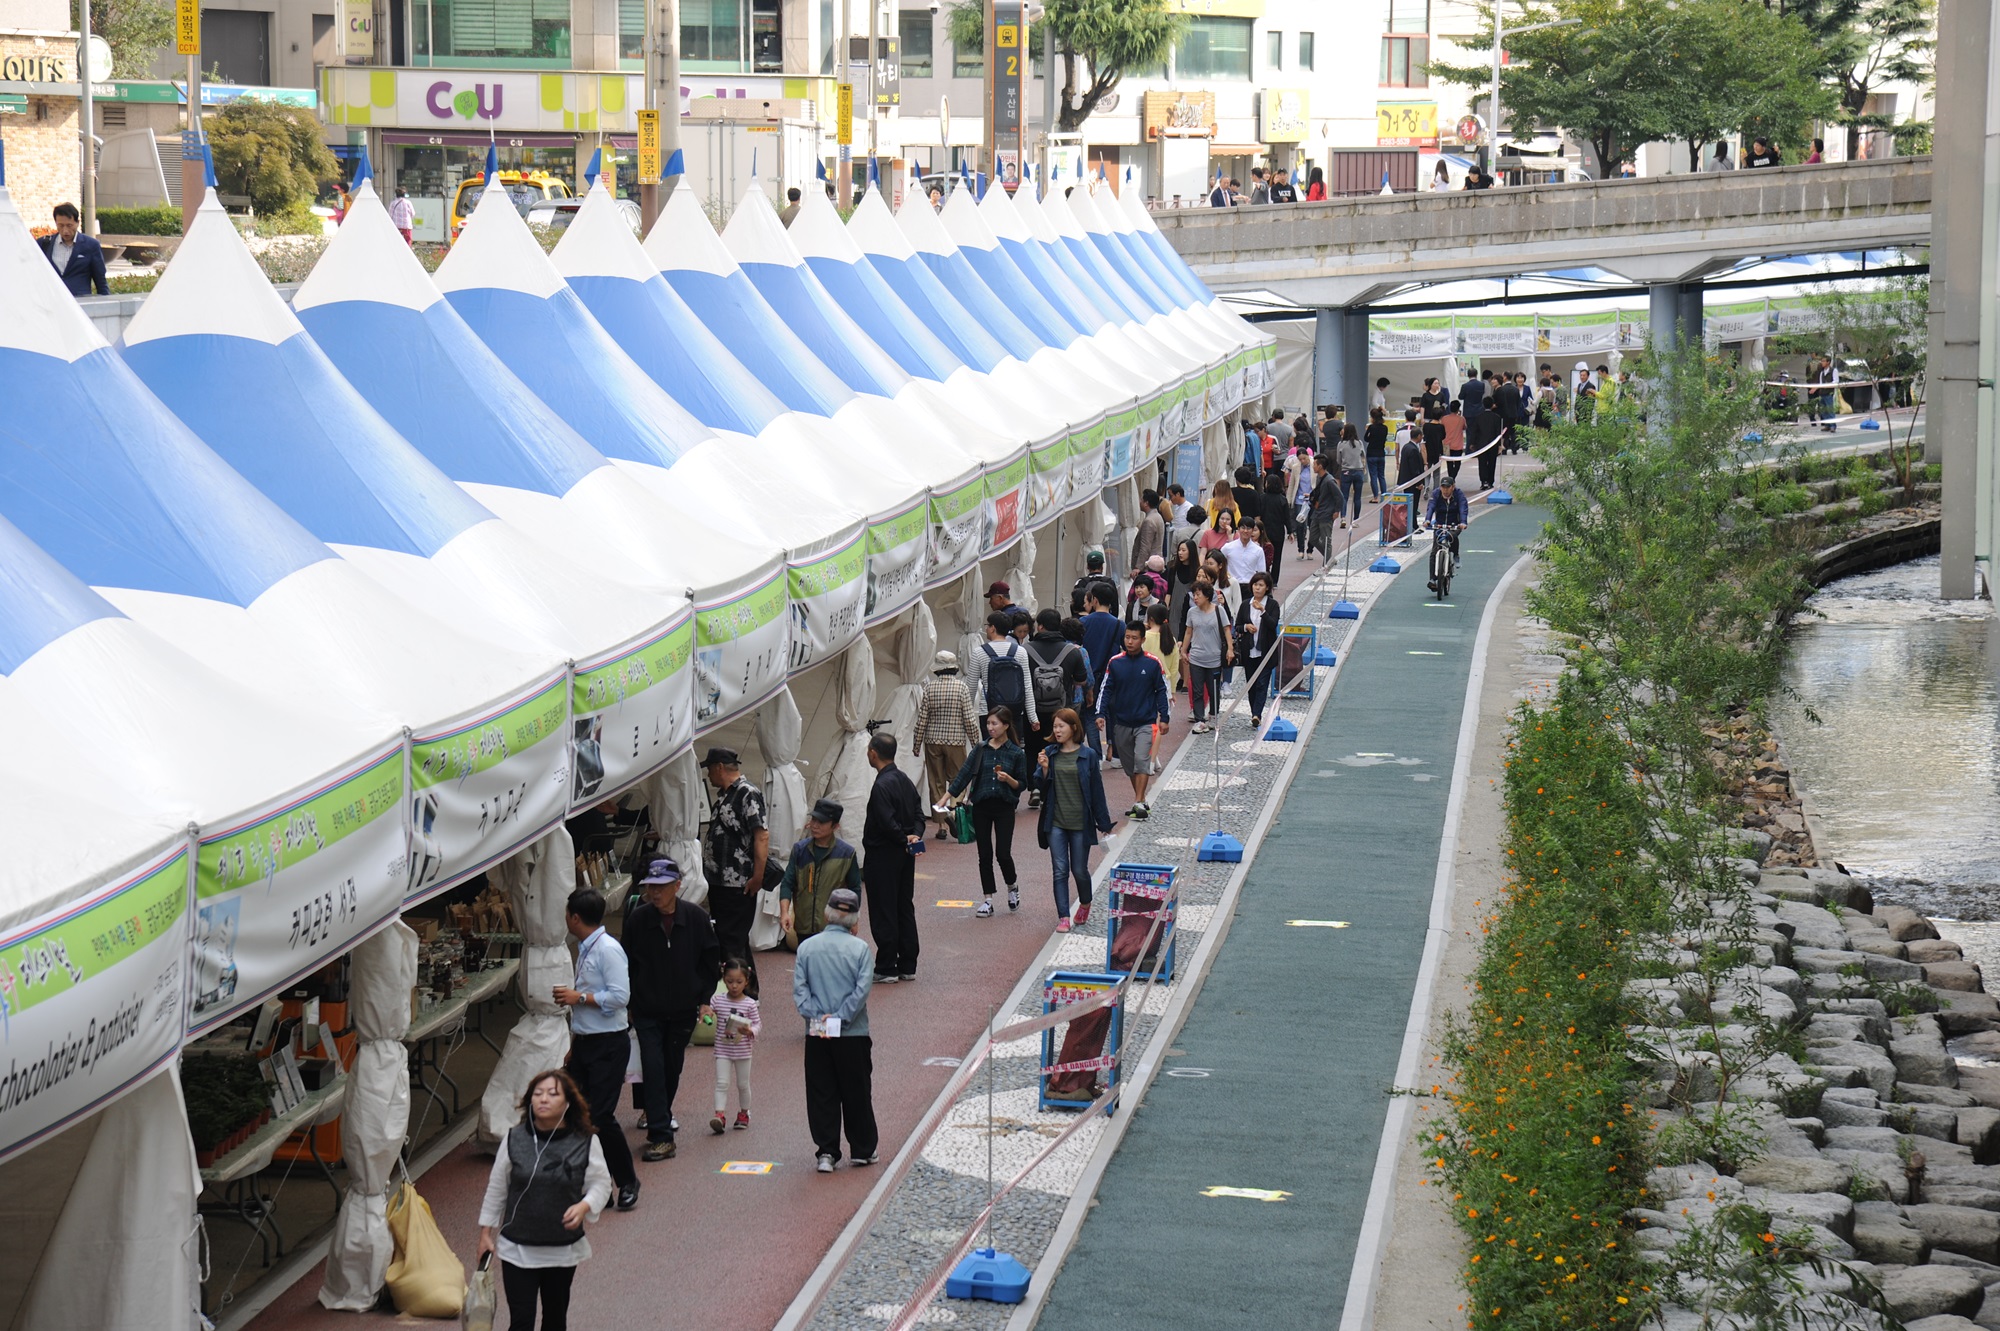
point(945, 1187)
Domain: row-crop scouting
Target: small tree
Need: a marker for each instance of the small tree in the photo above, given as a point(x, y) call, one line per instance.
point(1729, 66)
point(134, 29)
point(271, 153)
point(1112, 37)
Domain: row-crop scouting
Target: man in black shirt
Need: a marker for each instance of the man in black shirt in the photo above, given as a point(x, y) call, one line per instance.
point(1761, 154)
point(1506, 399)
point(890, 838)
point(675, 963)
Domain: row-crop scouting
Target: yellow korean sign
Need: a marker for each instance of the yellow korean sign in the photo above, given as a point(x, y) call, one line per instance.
point(843, 116)
point(1406, 125)
point(187, 27)
point(649, 147)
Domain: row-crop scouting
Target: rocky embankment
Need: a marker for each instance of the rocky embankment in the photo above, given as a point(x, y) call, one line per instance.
point(1854, 1046)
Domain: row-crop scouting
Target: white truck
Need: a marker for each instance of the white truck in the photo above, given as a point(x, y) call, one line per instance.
point(729, 141)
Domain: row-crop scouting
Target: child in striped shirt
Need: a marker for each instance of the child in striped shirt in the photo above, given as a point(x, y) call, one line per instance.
point(737, 1021)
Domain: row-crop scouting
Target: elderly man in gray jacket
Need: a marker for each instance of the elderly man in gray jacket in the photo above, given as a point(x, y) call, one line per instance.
point(830, 983)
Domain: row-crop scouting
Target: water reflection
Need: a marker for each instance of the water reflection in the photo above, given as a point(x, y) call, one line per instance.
point(1904, 768)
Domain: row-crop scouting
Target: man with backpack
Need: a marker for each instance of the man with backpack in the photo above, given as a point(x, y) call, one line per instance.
point(1058, 668)
point(1103, 631)
point(1000, 671)
point(1093, 575)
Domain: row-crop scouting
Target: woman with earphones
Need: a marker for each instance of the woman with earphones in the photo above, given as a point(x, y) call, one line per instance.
point(548, 1178)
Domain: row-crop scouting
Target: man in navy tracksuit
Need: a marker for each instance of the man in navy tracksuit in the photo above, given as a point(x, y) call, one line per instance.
point(1101, 631)
point(1132, 696)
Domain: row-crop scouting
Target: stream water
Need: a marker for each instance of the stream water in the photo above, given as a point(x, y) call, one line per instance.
point(1902, 766)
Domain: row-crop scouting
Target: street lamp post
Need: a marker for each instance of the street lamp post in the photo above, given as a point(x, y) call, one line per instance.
point(1500, 34)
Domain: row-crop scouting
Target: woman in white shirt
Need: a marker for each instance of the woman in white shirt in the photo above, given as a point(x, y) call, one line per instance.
point(548, 1178)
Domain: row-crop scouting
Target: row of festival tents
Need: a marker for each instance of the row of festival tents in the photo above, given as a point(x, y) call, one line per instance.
point(312, 611)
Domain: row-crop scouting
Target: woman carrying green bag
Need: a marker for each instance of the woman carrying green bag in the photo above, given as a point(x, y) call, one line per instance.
point(990, 782)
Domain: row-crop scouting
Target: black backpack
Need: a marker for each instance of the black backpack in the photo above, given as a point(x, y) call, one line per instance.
point(1003, 686)
point(1051, 690)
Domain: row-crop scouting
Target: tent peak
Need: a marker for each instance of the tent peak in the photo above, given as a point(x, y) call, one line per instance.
point(213, 286)
point(684, 239)
point(496, 250)
point(367, 259)
point(39, 314)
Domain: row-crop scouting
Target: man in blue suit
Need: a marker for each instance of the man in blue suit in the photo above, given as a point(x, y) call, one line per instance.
point(78, 258)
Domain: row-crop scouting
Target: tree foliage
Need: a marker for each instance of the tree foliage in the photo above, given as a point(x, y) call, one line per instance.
point(1098, 41)
point(1892, 41)
point(1724, 66)
point(269, 152)
point(136, 30)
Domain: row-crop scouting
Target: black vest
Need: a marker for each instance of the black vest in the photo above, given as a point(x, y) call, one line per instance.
point(542, 1184)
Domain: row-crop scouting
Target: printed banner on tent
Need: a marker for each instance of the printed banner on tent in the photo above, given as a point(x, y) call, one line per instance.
point(1796, 314)
point(1633, 329)
point(630, 712)
point(1187, 466)
point(897, 547)
point(485, 788)
point(1411, 337)
point(1118, 452)
point(829, 595)
point(956, 528)
point(1576, 332)
point(739, 651)
point(90, 1001)
point(284, 891)
point(1496, 334)
point(1048, 480)
point(1738, 322)
point(1003, 508)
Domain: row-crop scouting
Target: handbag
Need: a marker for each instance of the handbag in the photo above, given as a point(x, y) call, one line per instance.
point(425, 1277)
point(482, 1301)
point(961, 824)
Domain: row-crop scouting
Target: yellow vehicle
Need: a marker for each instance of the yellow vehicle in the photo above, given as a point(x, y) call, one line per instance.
point(524, 188)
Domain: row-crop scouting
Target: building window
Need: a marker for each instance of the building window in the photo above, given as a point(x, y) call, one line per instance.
point(1305, 51)
point(712, 32)
point(1403, 61)
point(238, 44)
point(915, 27)
point(1274, 43)
point(1214, 49)
point(1409, 15)
point(967, 64)
point(493, 29)
point(632, 29)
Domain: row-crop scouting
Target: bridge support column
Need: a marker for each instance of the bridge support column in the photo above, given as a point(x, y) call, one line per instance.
point(1674, 312)
point(1961, 283)
point(1340, 361)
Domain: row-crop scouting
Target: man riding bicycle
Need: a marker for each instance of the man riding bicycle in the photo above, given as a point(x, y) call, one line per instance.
point(1447, 515)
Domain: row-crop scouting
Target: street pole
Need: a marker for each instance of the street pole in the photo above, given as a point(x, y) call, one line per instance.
point(86, 119)
point(843, 74)
point(874, 64)
point(663, 94)
point(194, 178)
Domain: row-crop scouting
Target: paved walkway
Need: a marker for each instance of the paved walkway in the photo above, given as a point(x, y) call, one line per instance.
point(1299, 1026)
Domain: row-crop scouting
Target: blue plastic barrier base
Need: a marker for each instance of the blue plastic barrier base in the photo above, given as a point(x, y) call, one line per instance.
point(986, 1274)
point(1753, 436)
point(1326, 656)
point(1499, 497)
point(1221, 848)
point(1343, 610)
point(1871, 425)
point(1385, 564)
point(1283, 731)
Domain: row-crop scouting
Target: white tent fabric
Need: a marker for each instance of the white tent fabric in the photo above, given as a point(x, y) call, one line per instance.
point(913, 648)
point(673, 799)
point(537, 882)
point(780, 734)
point(845, 775)
point(1020, 575)
point(382, 972)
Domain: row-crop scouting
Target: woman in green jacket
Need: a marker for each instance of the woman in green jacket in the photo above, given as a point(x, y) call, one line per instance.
point(991, 782)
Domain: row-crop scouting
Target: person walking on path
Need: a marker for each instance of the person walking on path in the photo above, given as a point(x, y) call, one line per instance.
point(820, 863)
point(991, 782)
point(1258, 620)
point(1058, 672)
point(1181, 574)
point(1134, 700)
point(1243, 556)
point(1326, 504)
point(548, 1179)
point(1071, 776)
point(403, 216)
point(1454, 437)
point(736, 850)
point(1151, 538)
point(599, 1045)
point(830, 982)
point(1375, 453)
point(1161, 643)
point(1102, 632)
point(1206, 648)
point(1352, 461)
point(1000, 673)
point(1277, 521)
point(77, 258)
point(947, 728)
point(1410, 468)
point(891, 837)
point(738, 1021)
point(675, 963)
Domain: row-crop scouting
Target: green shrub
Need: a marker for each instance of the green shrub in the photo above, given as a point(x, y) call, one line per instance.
point(160, 221)
point(297, 220)
point(1933, 472)
point(133, 284)
point(1790, 497)
point(272, 153)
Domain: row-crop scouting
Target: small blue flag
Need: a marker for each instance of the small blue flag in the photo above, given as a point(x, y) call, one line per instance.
point(492, 163)
point(207, 164)
point(753, 164)
point(591, 172)
point(3, 164)
point(362, 169)
point(676, 165)
point(819, 169)
point(874, 176)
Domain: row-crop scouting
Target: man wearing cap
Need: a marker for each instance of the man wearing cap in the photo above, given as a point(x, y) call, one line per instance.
point(946, 729)
point(1000, 597)
point(734, 850)
point(675, 963)
point(830, 982)
point(820, 863)
point(890, 840)
point(1093, 576)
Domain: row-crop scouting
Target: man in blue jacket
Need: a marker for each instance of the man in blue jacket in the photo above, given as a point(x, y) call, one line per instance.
point(830, 982)
point(1133, 695)
point(78, 259)
point(1101, 630)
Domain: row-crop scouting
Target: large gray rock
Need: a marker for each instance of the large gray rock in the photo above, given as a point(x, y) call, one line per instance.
point(1838, 1028)
point(1889, 969)
point(1696, 1179)
point(1971, 1176)
point(1812, 926)
point(1877, 943)
point(1874, 1172)
point(1985, 1272)
point(1929, 951)
point(1960, 1229)
point(1952, 1097)
point(1927, 1291)
point(1933, 1121)
point(1844, 1114)
point(1942, 1322)
point(1921, 1058)
point(1874, 1063)
point(1960, 1013)
point(1855, 1007)
point(1903, 923)
point(1980, 1130)
point(1811, 959)
point(1831, 1211)
point(1962, 976)
point(1952, 1194)
point(1881, 1234)
point(1791, 1173)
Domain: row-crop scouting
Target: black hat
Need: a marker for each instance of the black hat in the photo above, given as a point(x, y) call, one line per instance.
point(825, 811)
point(844, 899)
point(718, 754)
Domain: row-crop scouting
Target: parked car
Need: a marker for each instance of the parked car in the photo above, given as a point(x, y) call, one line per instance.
point(557, 214)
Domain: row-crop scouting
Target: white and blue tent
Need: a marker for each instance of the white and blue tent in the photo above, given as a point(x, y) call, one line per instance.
point(1143, 239)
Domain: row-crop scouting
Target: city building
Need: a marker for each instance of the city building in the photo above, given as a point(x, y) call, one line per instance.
point(38, 107)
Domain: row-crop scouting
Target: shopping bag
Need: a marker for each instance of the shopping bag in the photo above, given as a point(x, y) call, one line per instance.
point(961, 824)
point(482, 1301)
point(425, 1277)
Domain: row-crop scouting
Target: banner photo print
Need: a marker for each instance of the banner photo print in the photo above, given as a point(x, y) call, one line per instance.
point(829, 597)
point(897, 549)
point(739, 652)
point(630, 713)
point(956, 522)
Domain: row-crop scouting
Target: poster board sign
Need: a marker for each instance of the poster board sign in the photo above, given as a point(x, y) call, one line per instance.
point(1412, 337)
point(1495, 334)
point(829, 595)
point(739, 651)
point(1575, 333)
point(1087, 1054)
point(1135, 896)
point(898, 546)
point(288, 888)
point(1004, 509)
point(956, 528)
point(630, 711)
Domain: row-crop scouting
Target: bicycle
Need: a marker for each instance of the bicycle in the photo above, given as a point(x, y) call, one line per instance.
point(1444, 559)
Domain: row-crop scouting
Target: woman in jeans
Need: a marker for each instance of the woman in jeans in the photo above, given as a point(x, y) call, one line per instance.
point(1071, 778)
point(1349, 456)
point(1206, 649)
point(548, 1178)
point(1258, 620)
point(992, 779)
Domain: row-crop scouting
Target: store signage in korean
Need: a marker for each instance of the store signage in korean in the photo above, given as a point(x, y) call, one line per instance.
point(187, 27)
point(1406, 125)
point(630, 712)
point(1284, 113)
point(1007, 61)
point(1178, 114)
point(843, 116)
point(568, 101)
point(285, 890)
point(829, 600)
point(649, 147)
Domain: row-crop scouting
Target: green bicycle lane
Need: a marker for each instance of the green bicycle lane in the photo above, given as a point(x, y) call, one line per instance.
point(1298, 1028)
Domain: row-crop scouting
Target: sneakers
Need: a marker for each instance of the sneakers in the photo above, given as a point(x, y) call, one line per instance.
point(1256, 723)
point(628, 1196)
point(1034, 799)
point(1200, 728)
point(880, 978)
point(985, 911)
point(718, 1124)
point(656, 1151)
point(825, 1165)
point(1013, 898)
point(1082, 916)
point(742, 1119)
point(1141, 811)
point(1062, 924)
point(859, 1160)
point(911, 978)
